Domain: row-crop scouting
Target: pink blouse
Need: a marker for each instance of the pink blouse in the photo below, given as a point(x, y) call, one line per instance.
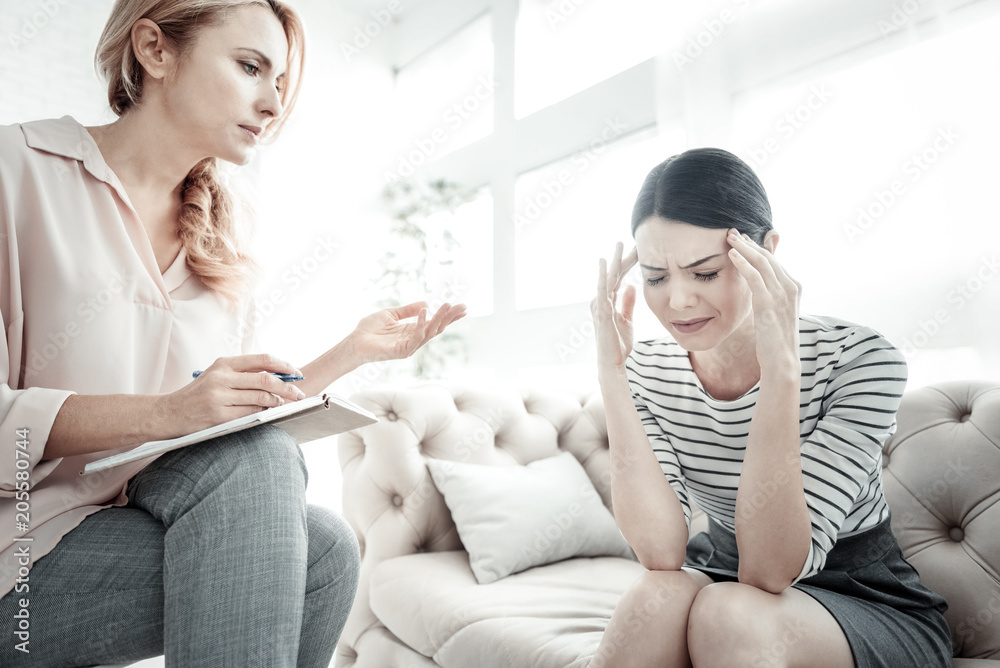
point(85, 309)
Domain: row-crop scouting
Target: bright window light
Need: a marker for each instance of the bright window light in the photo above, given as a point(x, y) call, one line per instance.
point(444, 98)
point(882, 178)
point(562, 48)
point(573, 211)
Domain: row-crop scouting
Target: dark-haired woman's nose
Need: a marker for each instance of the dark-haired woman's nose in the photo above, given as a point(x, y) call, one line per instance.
point(682, 297)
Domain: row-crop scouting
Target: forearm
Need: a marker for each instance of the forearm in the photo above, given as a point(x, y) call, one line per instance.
point(646, 507)
point(94, 423)
point(773, 530)
point(328, 367)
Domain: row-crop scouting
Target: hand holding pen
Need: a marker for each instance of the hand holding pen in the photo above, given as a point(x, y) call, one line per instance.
point(234, 387)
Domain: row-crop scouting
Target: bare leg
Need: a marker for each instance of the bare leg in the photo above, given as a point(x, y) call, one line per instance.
point(649, 625)
point(733, 624)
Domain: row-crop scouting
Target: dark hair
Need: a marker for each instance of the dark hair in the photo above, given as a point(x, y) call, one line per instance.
point(707, 187)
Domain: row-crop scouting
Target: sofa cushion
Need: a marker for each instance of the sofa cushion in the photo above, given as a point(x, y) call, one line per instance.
point(511, 518)
point(546, 616)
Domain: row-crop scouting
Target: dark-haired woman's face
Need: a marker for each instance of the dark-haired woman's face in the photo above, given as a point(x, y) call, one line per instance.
point(690, 283)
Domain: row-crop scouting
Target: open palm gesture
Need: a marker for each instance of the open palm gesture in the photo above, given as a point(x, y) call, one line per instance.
point(385, 336)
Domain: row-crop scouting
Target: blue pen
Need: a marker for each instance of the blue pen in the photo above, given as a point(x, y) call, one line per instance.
point(287, 377)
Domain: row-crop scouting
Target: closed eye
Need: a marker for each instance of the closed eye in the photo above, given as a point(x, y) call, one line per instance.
point(653, 281)
point(707, 277)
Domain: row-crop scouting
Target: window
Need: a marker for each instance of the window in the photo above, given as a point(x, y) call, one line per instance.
point(881, 175)
point(572, 212)
point(444, 98)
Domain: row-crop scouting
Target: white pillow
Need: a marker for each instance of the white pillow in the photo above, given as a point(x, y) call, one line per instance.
point(511, 518)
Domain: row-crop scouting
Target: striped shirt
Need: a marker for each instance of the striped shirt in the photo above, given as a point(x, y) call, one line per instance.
point(852, 382)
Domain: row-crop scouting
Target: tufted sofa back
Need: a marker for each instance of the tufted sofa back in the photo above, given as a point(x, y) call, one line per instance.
point(390, 499)
point(942, 477)
point(941, 472)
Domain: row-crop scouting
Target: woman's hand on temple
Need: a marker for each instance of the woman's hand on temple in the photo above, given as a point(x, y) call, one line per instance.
point(775, 304)
point(613, 328)
point(230, 388)
point(384, 335)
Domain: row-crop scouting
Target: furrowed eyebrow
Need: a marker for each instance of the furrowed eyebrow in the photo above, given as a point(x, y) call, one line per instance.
point(264, 59)
point(690, 266)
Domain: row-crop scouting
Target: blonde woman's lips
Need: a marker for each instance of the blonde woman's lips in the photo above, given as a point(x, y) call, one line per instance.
point(252, 131)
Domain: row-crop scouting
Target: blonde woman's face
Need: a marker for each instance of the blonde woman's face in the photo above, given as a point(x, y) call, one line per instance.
point(225, 90)
point(690, 283)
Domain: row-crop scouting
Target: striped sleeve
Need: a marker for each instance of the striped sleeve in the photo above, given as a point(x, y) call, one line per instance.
point(665, 454)
point(841, 457)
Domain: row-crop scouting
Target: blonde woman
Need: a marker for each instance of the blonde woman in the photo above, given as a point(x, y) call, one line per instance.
point(120, 274)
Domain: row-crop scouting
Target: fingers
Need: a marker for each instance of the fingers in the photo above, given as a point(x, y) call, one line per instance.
point(630, 261)
point(246, 380)
point(615, 268)
point(603, 298)
point(259, 384)
point(751, 260)
point(408, 311)
point(260, 362)
point(628, 303)
point(444, 316)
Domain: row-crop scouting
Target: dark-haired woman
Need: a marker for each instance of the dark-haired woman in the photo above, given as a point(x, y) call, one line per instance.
point(120, 274)
point(773, 423)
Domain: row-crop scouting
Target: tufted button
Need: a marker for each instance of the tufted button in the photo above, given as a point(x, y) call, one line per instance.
point(397, 500)
point(390, 416)
point(965, 418)
point(956, 534)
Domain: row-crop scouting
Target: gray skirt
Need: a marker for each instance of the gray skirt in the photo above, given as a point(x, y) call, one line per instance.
point(889, 618)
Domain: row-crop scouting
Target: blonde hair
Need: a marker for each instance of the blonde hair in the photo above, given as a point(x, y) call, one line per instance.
point(206, 224)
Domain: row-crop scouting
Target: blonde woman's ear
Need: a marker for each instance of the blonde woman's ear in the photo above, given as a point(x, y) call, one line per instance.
point(151, 49)
point(771, 240)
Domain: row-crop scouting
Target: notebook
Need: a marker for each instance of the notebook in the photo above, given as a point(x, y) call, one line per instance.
point(304, 420)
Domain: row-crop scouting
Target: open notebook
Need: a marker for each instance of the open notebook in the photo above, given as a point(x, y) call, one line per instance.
point(304, 420)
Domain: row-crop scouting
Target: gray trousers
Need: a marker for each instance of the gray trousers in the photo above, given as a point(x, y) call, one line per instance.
point(216, 561)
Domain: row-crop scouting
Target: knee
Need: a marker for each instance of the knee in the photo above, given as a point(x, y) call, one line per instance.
point(727, 627)
point(334, 556)
point(659, 594)
point(267, 455)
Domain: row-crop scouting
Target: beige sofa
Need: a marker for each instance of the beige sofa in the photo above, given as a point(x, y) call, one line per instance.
point(419, 605)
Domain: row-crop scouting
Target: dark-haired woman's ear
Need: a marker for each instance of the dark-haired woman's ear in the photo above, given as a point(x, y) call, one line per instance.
point(771, 241)
point(151, 49)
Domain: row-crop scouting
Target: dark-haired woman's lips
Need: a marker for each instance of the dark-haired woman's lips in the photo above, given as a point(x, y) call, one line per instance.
point(690, 326)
